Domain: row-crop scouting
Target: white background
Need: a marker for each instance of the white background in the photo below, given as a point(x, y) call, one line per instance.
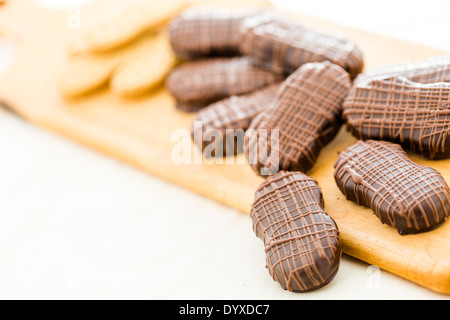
point(75, 224)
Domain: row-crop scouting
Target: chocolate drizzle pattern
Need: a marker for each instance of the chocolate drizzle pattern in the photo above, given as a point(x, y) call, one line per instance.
point(208, 32)
point(203, 82)
point(302, 244)
point(282, 45)
point(396, 109)
point(307, 115)
point(234, 113)
point(432, 70)
point(401, 193)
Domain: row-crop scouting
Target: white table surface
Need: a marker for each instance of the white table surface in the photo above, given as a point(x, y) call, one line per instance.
point(75, 224)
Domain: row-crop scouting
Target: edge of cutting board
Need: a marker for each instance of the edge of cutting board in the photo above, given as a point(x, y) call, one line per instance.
point(139, 133)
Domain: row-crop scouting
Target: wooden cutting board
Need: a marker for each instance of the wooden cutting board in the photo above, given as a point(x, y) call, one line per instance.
point(139, 132)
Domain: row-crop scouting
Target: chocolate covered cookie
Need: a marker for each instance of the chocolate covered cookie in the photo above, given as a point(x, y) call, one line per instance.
point(305, 116)
point(222, 125)
point(302, 244)
point(395, 109)
point(207, 32)
point(191, 107)
point(282, 45)
point(379, 175)
point(203, 82)
point(432, 70)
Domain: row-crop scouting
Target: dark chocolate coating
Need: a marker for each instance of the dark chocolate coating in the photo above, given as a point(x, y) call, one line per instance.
point(413, 114)
point(204, 32)
point(191, 108)
point(5, 106)
point(432, 70)
point(307, 115)
point(302, 244)
point(282, 45)
point(203, 82)
point(379, 175)
point(234, 113)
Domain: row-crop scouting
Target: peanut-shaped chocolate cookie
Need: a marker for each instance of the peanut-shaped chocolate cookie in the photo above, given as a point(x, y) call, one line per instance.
point(302, 244)
point(202, 32)
point(282, 45)
point(379, 175)
point(222, 125)
point(395, 109)
point(432, 70)
point(202, 82)
point(305, 116)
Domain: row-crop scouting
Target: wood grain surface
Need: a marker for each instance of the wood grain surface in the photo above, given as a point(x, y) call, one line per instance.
point(139, 132)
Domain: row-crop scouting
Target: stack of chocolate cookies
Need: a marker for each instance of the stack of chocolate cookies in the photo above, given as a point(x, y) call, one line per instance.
point(392, 109)
point(288, 90)
point(233, 63)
